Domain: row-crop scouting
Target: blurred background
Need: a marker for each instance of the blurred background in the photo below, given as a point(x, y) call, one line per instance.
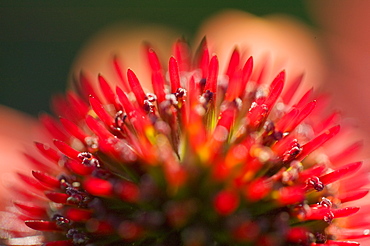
point(40, 39)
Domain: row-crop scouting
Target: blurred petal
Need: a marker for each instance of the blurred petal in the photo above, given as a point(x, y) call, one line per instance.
point(345, 33)
point(17, 132)
point(125, 41)
point(290, 44)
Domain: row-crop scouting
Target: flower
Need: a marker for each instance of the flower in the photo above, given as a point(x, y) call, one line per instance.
point(208, 157)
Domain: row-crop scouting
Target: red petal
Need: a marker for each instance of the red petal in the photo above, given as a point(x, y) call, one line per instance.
point(336, 243)
point(86, 89)
point(108, 92)
point(57, 197)
point(352, 196)
point(100, 111)
point(306, 111)
point(286, 120)
point(61, 107)
point(125, 102)
point(98, 128)
point(136, 87)
point(79, 106)
point(78, 168)
point(53, 127)
point(276, 88)
point(136, 115)
point(291, 91)
point(344, 212)
point(318, 141)
point(157, 75)
point(226, 202)
point(316, 171)
point(284, 145)
point(77, 214)
point(233, 63)
point(258, 189)
point(340, 173)
point(226, 118)
point(173, 70)
point(233, 88)
point(348, 152)
point(74, 129)
point(305, 99)
point(182, 53)
point(118, 69)
point(158, 86)
point(48, 152)
point(297, 234)
point(318, 213)
point(31, 209)
point(31, 181)
point(246, 74)
point(46, 179)
point(194, 91)
point(257, 115)
point(66, 149)
point(352, 233)
point(239, 80)
point(212, 76)
point(322, 212)
point(341, 243)
point(154, 63)
point(36, 163)
point(42, 225)
point(203, 58)
point(98, 187)
point(290, 195)
point(328, 122)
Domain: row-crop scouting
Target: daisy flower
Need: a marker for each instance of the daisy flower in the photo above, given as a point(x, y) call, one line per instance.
point(213, 155)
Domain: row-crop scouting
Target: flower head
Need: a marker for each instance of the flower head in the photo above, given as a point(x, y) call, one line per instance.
point(209, 157)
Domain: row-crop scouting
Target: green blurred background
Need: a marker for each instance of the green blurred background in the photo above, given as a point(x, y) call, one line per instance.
point(39, 39)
